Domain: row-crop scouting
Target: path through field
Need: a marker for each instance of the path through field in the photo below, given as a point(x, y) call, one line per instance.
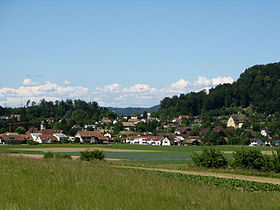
point(205, 173)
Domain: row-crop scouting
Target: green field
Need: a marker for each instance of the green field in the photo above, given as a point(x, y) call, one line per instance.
point(73, 184)
point(165, 156)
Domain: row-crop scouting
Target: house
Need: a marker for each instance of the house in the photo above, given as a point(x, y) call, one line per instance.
point(106, 120)
point(90, 137)
point(17, 116)
point(255, 142)
point(32, 130)
point(47, 139)
point(134, 120)
point(267, 143)
point(108, 135)
point(266, 132)
point(60, 136)
point(277, 143)
point(93, 127)
point(237, 120)
point(13, 138)
point(144, 140)
point(128, 125)
point(165, 142)
point(182, 130)
point(193, 140)
point(77, 127)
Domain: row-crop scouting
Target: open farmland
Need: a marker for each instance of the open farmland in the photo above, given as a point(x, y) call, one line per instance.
point(70, 184)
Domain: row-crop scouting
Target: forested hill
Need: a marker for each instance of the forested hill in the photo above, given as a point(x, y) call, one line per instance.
point(258, 87)
point(132, 110)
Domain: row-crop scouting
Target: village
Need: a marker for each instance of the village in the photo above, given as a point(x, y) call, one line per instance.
point(181, 131)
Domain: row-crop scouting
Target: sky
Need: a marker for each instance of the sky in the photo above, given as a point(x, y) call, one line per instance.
point(130, 53)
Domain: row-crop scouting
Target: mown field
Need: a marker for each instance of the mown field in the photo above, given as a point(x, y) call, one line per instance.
point(74, 184)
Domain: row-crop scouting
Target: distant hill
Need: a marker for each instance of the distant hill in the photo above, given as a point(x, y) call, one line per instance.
point(258, 87)
point(132, 110)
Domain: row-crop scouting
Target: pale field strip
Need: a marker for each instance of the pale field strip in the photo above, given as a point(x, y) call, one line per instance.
point(59, 149)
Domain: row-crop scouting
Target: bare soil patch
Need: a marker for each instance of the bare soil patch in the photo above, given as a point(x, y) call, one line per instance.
point(263, 152)
point(36, 156)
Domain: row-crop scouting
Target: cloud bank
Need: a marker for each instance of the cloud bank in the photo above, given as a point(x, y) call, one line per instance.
point(142, 95)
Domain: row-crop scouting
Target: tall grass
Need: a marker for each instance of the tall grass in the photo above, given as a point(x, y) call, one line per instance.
point(68, 184)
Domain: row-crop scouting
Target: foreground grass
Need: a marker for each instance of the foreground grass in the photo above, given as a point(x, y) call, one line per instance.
point(68, 184)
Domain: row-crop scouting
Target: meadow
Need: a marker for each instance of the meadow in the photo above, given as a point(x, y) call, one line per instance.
point(73, 184)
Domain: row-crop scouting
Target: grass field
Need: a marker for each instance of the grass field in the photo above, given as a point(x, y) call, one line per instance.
point(73, 184)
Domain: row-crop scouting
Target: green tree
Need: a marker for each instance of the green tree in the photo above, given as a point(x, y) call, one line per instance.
point(20, 130)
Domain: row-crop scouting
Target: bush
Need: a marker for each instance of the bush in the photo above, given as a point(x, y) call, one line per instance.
point(32, 142)
point(250, 159)
point(91, 155)
point(210, 158)
point(275, 161)
point(48, 155)
point(66, 156)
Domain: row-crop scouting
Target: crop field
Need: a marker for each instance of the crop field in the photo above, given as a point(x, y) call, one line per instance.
point(158, 156)
point(74, 184)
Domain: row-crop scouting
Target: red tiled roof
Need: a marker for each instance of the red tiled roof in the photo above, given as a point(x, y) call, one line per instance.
point(47, 131)
point(184, 116)
point(95, 134)
point(149, 138)
point(46, 137)
point(12, 137)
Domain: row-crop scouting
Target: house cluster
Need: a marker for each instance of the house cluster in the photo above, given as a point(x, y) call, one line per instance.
point(52, 136)
point(148, 140)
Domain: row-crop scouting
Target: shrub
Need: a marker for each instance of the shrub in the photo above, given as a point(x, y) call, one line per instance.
point(249, 159)
point(48, 155)
point(66, 156)
point(91, 155)
point(32, 142)
point(275, 161)
point(210, 158)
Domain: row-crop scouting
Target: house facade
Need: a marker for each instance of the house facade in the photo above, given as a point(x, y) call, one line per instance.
point(237, 120)
point(90, 137)
point(144, 140)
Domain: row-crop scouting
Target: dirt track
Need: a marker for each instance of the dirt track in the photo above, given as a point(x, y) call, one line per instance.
point(220, 175)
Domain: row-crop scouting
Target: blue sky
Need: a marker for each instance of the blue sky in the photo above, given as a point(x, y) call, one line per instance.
point(130, 53)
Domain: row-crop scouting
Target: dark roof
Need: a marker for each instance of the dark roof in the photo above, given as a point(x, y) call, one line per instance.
point(239, 118)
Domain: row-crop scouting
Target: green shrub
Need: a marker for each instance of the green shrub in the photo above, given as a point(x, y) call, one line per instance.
point(275, 161)
point(66, 156)
point(32, 142)
point(249, 159)
point(91, 155)
point(48, 155)
point(210, 158)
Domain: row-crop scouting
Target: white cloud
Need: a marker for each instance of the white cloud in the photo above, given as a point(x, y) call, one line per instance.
point(181, 84)
point(221, 80)
point(66, 82)
point(47, 90)
point(108, 95)
point(30, 82)
point(202, 81)
point(139, 88)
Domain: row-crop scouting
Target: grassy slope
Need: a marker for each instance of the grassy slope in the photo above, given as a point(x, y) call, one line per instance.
point(68, 184)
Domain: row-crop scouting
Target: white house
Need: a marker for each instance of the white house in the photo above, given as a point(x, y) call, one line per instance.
point(165, 142)
point(144, 140)
point(60, 136)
